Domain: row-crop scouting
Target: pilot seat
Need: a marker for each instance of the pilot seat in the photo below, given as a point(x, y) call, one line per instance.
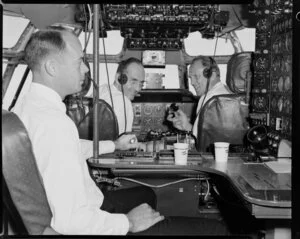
point(24, 197)
point(225, 117)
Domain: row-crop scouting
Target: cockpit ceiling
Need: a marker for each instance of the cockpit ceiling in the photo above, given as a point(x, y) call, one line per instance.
point(43, 15)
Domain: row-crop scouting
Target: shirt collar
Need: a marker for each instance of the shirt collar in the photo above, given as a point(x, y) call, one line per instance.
point(216, 86)
point(48, 95)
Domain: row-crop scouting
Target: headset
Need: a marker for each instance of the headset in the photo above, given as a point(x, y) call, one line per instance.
point(123, 79)
point(207, 72)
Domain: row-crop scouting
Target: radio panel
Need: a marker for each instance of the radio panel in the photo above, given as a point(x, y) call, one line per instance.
point(152, 117)
point(272, 81)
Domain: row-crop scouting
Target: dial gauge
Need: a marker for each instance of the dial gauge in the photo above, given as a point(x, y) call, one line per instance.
point(274, 85)
point(274, 103)
point(280, 84)
point(280, 104)
point(287, 83)
point(260, 102)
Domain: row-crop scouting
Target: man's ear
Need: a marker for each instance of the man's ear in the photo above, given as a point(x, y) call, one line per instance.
point(50, 67)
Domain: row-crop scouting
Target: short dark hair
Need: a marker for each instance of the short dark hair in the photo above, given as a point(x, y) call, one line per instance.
point(42, 43)
point(207, 61)
point(125, 63)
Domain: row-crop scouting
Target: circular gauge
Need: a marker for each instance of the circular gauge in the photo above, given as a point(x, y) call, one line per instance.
point(282, 64)
point(263, 25)
point(288, 64)
point(288, 42)
point(256, 3)
point(148, 109)
point(287, 83)
point(260, 102)
point(279, 45)
point(276, 64)
point(272, 122)
point(280, 104)
point(262, 41)
point(261, 63)
point(279, 27)
point(267, 2)
point(286, 106)
point(274, 103)
point(275, 46)
point(260, 80)
point(280, 84)
point(274, 85)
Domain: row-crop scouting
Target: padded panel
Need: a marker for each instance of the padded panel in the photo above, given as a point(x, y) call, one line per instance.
point(223, 118)
point(81, 112)
point(238, 70)
point(21, 175)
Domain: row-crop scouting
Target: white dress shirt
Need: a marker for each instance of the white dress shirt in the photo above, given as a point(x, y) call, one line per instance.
point(73, 196)
point(218, 89)
point(118, 106)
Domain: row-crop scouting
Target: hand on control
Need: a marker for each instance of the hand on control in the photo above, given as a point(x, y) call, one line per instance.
point(142, 217)
point(126, 141)
point(180, 120)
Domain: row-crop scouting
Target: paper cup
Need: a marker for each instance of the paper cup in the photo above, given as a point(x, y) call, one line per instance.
point(181, 153)
point(221, 151)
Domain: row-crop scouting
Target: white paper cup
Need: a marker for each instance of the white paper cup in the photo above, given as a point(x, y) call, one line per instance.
point(181, 153)
point(221, 151)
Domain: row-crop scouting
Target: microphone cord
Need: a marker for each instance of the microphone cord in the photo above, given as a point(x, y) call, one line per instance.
point(125, 116)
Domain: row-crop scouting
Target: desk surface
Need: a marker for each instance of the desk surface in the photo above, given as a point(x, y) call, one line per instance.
point(257, 183)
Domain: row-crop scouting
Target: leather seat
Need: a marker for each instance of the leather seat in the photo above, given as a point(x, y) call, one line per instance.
point(24, 196)
point(80, 110)
point(223, 118)
point(239, 72)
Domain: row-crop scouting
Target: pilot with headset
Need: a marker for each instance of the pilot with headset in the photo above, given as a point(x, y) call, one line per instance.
point(129, 80)
point(204, 74)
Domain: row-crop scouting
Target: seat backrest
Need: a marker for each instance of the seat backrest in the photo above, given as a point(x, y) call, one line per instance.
point(222, 118)
point(80, 110)
point(239, 69)
point(20, 173)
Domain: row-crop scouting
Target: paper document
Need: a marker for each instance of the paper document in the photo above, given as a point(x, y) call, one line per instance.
point(280, 166)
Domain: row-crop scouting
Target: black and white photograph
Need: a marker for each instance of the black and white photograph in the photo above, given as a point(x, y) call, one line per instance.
point(158, 119)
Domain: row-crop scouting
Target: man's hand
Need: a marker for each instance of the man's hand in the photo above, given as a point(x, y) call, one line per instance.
point(180, 120)
point(126, 141)
point(142, 217)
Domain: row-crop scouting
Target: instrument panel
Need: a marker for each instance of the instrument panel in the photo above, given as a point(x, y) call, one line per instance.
point(163, 26)
point(272, 82)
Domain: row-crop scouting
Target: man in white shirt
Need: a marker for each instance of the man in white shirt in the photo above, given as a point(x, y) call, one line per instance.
point(56, 60)
point(204, 74)
point(129, 80)
point(77, 204)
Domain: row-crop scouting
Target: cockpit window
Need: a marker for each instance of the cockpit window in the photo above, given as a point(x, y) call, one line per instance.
point(14, 84)
point(113, 43)
point(196, 45)
point(10, 37)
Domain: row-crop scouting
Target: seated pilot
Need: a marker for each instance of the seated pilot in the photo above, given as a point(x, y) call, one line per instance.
point(205, 78)
point(129, 80)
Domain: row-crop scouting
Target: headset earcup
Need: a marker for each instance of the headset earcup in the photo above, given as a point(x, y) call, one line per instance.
point(207, 72)
point(122, 79)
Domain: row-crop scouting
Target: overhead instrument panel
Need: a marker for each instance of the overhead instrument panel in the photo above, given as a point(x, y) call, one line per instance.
point(163, 26)
point(272, 82)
